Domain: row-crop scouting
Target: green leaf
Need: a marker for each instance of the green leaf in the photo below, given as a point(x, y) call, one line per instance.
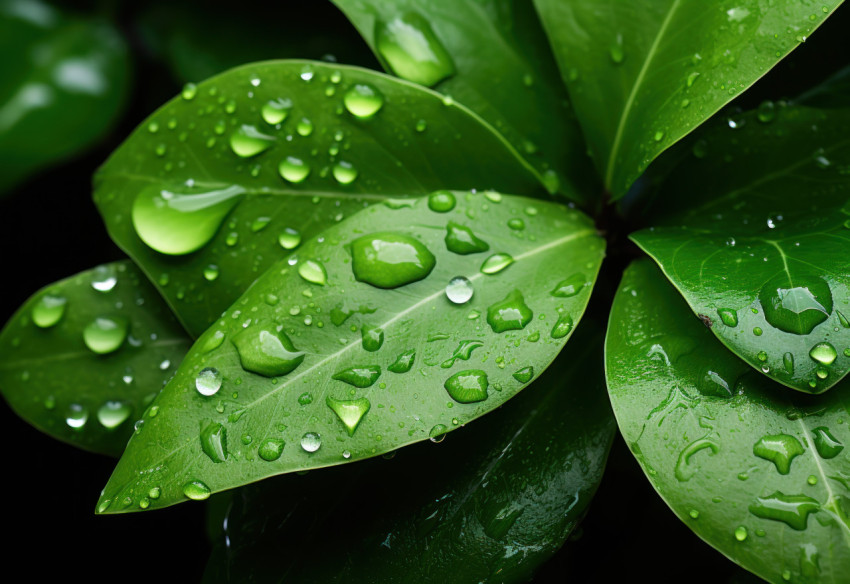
point(257, 397)
point(832, 93)
point(83, 357)
point(492, 57)
point(223, 218)
point(62, 90)
point(643, 76)
point(756, 471)
point(758, 246)
point(519, 479)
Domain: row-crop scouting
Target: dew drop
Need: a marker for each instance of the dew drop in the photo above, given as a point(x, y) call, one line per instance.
point(496, 263)
point(780, 449)
point(76, 416)
point(361, 376)
point(372, 338)
point(411, 49)
point(796, 309)
point(214, 441)
point(267, 353)
point(270, 449)
point(461, 240)
point(311, 442)
point(344, 172)
point(349, 412)
point(105, 334)
point(208, 381)
point(511, 313)
point(389, 260)
point(403, 363)
point(196, 490)
point(313, 272)
point(293, 169)
point(441, 201)
point(113, 413)
point(275, 111)
point(459, 290)
point(363, 101)
point(248, 141)
point(570, 286)
point(468, 386)
point(823, 353)
point(49, 310)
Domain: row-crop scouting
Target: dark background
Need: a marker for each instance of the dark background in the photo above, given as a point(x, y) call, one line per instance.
point(49, 229)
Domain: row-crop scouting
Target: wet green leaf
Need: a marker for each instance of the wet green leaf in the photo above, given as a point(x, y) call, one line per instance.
point(492, 57)
point(63, 84)
point(222, 182)
point(755, 470)
point(381, 292)
point(84, 357)
point(751, 229)
point(643, 75)
point(488, 504)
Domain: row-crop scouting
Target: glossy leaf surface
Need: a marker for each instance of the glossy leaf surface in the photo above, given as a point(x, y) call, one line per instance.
point(758, 472)
point(752, 232)
point(492, 57)
point(489, 504)
point(178, 185)
point(642, 75)
point(363, 341)
point(63, 84)
point(83, 357)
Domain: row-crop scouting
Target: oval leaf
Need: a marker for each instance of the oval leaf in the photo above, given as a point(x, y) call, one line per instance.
point(759, 245)
point(755, 471)
point(546, 450)
point(372, 336)
point(61, 92)
point(207, 180)
point(642, 78)
point(83, 357)
point(493, 58)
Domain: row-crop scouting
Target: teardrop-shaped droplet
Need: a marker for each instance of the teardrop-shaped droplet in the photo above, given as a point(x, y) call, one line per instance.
point(76, 416)
point(562, 326)
point(511, 313)
point(176, 223)
point(311, 442)
point(248, 141)
point(208, 381)
point(359, 376)
point(459, 290)
point(403, 362)
point(363, 101)
point(496, 263)
point(267, 353)
point(214, 341)
point(105, 334)
point(214, 441)
point(49, 310)
point(196, 490)
point(113, 413)
point(373, 338)
point(524, 375)
point(796, 308)
point(294, 169)
point(468, 386)
point(441, 201)
point(461, 240)
point(271, 449)
point(313, 272)
point(570, 286)
point(411, 49)
point(289, 238)
point(390, 260)
point(438, 433)
point(275, 111)
point(350, 412)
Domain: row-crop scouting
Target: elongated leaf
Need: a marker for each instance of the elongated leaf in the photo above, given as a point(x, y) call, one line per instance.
point(365, 340)
point(63, 84)
point(761, 251)
point(83, 357)
point(643, 75)
point(492, 57)
point(204, 221)
point(520, 479)
point(756, 471)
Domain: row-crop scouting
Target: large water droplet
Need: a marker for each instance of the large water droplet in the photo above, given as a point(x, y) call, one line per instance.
point(468, 386)
point(563, 325)
point(780, 449)
point(268, 353)
point(208, 381)
point(248, 141)
point(293, 169)
point(105, 334)
point(289, 238)
point(360, 376)
point(390, 260)
point(403, 362)
point(826, 444)
point(797, 308)
point(313, 272)
point(496, 263)
point(459, 290)
point(349, 411)
point(113, 413)
point(524, 375)
point(104, 278)
point(276, 111)
point(196, 490)
point(438, 433)
point(441, 201)
point(271, 449)
point(179, 223)
point(823, 353)
point(509, 314)
point(363, 101)
point(461, 240)
point(412, 50)
point(76, 416)
point(793, 510)
point(728, 316)
point(311, 442)
point(214, 441)
point(344, 172)
point(49, 310)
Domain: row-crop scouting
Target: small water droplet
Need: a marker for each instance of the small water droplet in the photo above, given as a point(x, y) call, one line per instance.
point(211, 272)
point(441, 201)
point(208, 381)
point(214, 441)
point(823, 353)
point(799, 308)
point(468, 386)
point(793, 510)
point(728, 316)
point(349, 412)
point(113, 413)
point(190, 90)
point(511, 313)
point(496, 263)
point(293, 169)
point(363, 101)
point(411, 49)
point(49, 310)
point(524, 375)
point(275, 111)
point(196, 490)
point(372, 338)
point(438, 433)
point(270, 449)
point(344, 172)
point(826, 444)
point(76, 416)
point(741, 533)
point(104, 278)
point(105, 334)
point(311, 442)
point(403, 362)
point(361, 376)
point(459, 290)
point(461, 240)
point(766, 112)
point(570, 286)
point(248, 141)
point(313, 272)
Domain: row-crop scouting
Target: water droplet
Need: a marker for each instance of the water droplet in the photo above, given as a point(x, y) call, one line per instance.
point(350, 412)
point(196, 490)
point(468, 386)
point(766, 112)
point(524, 375)
point(463, 351)
point(248, 141)
point(104, 278)
point(658, 136)
point(360, 376)
point(692, 77)
point(438, 433)
point(289, 238)
point(461, 240)
point(267, 353)
point(686, 468)
point(741, 533)
point(823, 353)
point(403, 362)
point(826, 444)
point(293, 169)
point(441, 201)
point(390, 260)
point(563, 325)
point(793, 510)
point(190, 90)
point(313, 272)
point(344, 172)
point(570, 287)
point(411, 49)
point(211, 272)
point(275, 111)
point(176, 224)
point(616, 51)
point(113, 413)
point(76, 416)
point(509, 314)
point(728, 316)
point(49, 310)
point(214, 441)
point(496, 263)
point(214, 341)
point(459, 290)
point(363, 101)
point(372, 337)
point(780, 449)
point(270, 449)
point(105, 334)
point(311, 442)
point(788, 362)
point(208, 381)
point(799, 308)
